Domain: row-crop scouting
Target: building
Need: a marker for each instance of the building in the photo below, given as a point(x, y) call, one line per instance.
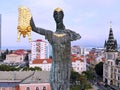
point(39, 49)
point(24, 80)
point(94, 57)
point(78, 63)
point(16, 57)
point(90, 57)
point(75, 49)
point(111, 70)
point(39, 80)
point(44, 64)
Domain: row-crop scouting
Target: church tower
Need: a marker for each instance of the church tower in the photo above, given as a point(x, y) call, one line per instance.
point(111, 45)
point(111, 54)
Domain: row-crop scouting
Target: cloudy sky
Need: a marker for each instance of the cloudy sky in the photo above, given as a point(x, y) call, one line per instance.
point(90, 18)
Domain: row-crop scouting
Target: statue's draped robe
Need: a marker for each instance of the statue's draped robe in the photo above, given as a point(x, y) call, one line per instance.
point(61, 61)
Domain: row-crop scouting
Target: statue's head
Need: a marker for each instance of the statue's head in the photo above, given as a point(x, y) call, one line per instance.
point(58, 15)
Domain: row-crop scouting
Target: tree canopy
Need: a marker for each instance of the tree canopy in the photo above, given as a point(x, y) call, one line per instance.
point(99, 69)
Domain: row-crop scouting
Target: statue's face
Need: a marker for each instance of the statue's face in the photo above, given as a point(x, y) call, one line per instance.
point(58, 16)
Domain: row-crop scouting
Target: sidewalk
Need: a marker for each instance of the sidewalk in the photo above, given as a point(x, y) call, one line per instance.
point(94, 88)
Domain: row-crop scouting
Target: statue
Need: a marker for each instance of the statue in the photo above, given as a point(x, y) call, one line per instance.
point(61, 46)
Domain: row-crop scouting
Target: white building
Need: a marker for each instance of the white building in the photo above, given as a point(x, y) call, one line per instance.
point(117, 74)
point(78, 64)
point(39, 49)
point(44, 64)
point(16, 57)
point(75, 50)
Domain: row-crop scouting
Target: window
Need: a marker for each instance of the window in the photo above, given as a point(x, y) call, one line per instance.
point(44, 88)
point(110, 56)
point(37, 88)
point(111, 63)
point(118, 78)
point(118, 71)
point(28, 88)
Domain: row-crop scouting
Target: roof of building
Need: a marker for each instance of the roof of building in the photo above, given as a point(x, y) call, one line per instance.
point(38, 77)
point(77, 58)
point(39, 40)
point(111, 43)
point(47, 61)
point(24, 76)
point(13, 76)
point(42, 61)
point(20, 52)
point(12, 54)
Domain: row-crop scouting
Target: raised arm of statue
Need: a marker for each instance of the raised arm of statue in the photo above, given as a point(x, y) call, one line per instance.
point(37, 29)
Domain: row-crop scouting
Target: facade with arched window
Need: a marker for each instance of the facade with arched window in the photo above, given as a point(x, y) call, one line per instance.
point(35, 86)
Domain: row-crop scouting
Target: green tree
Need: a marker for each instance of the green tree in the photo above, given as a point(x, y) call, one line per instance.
point(11, 51)
point(32, 69)
point(4, 68)
point(8, 68)
point(99, 69)
point(25, 69)
point(3, 56)
point(89, 74)
point(38, 68)
point(82, 78)
point(74, 77)
point(26, 59)
point(6, 51)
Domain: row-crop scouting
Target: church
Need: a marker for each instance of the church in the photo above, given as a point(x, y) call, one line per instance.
point(111, 67)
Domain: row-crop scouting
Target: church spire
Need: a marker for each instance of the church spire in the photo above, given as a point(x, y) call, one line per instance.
point(110, 24)
point(111, 37)
point(111, 44)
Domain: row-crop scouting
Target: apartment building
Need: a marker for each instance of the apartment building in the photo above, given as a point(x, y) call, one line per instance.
point(39, 49)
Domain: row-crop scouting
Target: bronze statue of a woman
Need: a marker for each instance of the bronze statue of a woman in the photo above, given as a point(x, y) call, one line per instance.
point(60, 41)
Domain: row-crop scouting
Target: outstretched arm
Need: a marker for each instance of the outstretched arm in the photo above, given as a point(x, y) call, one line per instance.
point(38, 30)
point(73, 35)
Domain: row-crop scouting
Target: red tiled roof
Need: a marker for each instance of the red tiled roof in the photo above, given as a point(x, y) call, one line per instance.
point(12, 54)
point(41, 61)
point(38, 40)
point(74, 58)
point(19, 52)
point(91, 52)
